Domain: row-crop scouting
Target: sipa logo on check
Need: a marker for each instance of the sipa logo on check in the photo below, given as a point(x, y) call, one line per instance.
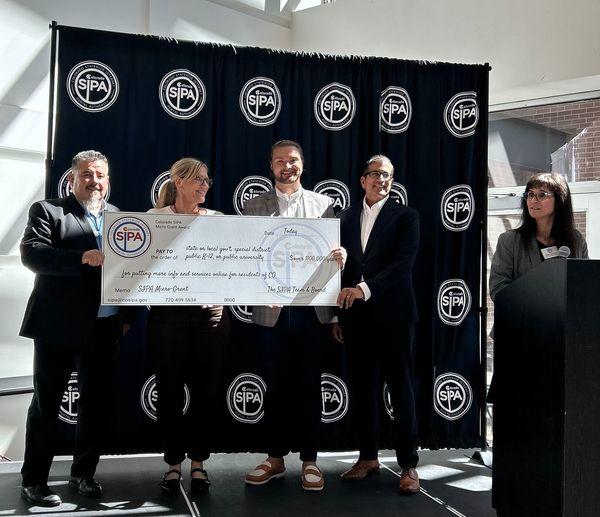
point(129, 237)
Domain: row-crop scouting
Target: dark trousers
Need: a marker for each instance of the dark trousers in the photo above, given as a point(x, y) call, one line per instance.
point(381, 349)
point(187, 344)
point(293, 350)
point(52, 367)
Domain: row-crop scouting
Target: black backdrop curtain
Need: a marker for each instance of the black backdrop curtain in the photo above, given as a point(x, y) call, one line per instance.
point(147, 101)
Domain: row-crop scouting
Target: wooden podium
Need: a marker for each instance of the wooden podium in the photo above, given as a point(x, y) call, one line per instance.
point(547, 392)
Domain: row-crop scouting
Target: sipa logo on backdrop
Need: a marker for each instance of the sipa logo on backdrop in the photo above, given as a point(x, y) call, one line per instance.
point(457, 208)
point(334, 106)
point(334, 398)
point(129, 237)
point(68, 404)
point(452, 396)
point(242, 312)
point(398, 193)
point(250, 187)
point(157, 186)
point(395, 110)
point(260, 101)
point(182, 94)
point(337, 191)
point(245, 398)
point(454, 301)
point(387, 401)
point(149, 397)
point(92, 86)
point(461, 114)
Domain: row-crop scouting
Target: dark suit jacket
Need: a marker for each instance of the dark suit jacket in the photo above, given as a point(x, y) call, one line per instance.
point(66, 294)
point(387, 262)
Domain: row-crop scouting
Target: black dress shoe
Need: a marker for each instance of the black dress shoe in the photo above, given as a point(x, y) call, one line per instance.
point(86, 486)
point(200, 485)
point(170, 486)
point(40, 495)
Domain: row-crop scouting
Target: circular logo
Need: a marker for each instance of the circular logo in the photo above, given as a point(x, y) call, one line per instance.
point(149, 398)
point(337, 191)
point(158, 185)
point(129, 237)
point(182, 94)
point(68, 404)
point(335, 106)
point(398, 194)
point(64, 187)
point(461, 114)
point(334, 398)
point(454, 301)
point(260, 101)
point(286, 249)
point(245, 398)
point(242, 312)
point(452, 396)
point(92, 86)
point(387, 401)
point(248, 188)
point(457, 208)
point(395, 110)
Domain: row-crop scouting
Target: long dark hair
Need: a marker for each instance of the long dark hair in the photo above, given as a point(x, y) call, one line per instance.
point(563, 226)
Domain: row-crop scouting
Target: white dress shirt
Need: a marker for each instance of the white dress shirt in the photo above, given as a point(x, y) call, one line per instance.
point(367, 221)
point(292, 205)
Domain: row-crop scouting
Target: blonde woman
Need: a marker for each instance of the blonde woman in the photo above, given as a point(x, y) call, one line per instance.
point(186, 341)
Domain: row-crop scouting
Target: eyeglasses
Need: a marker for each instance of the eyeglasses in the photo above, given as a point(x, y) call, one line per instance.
point(542, 195)
point(384, 175)
point(204, 181)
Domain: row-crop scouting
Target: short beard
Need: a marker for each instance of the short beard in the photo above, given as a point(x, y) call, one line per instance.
point(94, 203)
point(288, 180)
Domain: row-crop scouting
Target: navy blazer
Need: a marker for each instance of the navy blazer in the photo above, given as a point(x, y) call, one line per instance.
point(386, 265)
point(65, 299)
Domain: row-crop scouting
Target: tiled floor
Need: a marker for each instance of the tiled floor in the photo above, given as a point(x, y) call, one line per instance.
point(451, 485)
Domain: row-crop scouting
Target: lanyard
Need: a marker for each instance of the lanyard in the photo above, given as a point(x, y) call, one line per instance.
point(96, 224)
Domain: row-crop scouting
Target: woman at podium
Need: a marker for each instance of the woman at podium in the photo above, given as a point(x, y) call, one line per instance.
point(547, 231)
point(186, 340)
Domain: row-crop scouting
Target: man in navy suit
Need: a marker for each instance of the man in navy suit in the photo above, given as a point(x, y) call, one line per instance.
point(62, 246)
point(378, 313)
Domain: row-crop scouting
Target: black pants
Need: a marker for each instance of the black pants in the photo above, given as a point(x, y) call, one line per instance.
point(380, 348)
point(187, 344)
point(293, 351)
point(52, 367)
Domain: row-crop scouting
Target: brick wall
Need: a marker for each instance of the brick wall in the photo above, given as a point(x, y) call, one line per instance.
point(580, 120)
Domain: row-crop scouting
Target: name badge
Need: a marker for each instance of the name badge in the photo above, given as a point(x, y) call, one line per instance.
point(550, 252)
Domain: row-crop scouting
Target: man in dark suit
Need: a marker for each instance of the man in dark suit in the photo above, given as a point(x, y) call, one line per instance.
point(62, 246)
point(378, 312)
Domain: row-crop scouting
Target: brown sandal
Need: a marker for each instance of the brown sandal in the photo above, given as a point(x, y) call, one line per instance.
point(264, 473)
point(312, 478)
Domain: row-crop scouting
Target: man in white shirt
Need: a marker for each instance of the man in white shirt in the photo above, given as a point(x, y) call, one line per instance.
point(293, 335)
point(378, 313)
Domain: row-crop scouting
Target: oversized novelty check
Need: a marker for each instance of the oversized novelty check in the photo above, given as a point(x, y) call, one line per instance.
point(164, 259)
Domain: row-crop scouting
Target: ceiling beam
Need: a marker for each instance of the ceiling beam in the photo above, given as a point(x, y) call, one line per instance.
point(290, 7)
point(272, 6)
point(276, 18)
